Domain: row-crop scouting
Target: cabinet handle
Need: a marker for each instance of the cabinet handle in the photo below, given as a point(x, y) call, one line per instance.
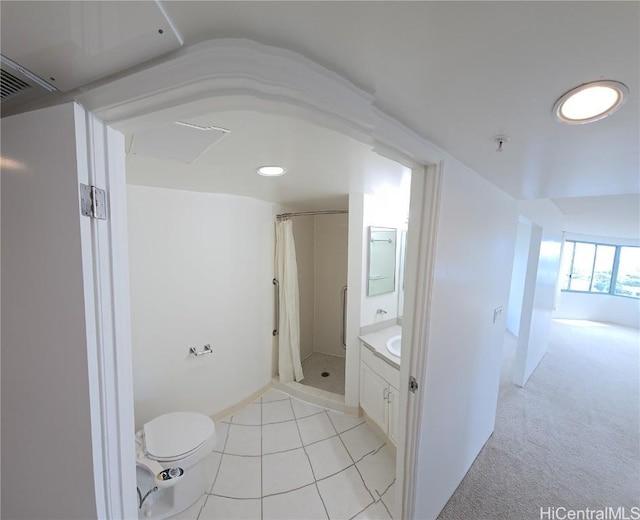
point(385, 393)
point(389, 397)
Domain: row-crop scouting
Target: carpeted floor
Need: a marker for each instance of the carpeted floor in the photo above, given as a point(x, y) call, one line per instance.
point(569, 439)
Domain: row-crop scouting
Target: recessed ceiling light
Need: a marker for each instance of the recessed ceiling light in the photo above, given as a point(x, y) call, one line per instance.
point(271, 171)
point(590, 102)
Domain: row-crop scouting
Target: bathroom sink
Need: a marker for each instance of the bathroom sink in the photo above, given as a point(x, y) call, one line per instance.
point(394, 344)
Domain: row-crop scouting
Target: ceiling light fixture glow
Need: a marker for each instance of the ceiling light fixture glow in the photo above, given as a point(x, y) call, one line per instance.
point(590, 102)
point(271, 171)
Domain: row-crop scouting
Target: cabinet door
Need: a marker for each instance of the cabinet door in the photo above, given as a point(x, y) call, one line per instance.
point(394, 401)
point(373, 393)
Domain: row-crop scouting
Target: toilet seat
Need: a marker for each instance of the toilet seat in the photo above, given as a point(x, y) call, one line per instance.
point(176, 435)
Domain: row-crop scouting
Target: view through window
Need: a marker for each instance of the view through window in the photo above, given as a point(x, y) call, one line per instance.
point(601, 268)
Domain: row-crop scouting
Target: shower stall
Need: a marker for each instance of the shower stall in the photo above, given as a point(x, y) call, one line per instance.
point(321, 246)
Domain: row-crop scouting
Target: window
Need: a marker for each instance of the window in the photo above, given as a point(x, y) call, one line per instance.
point(601, 268)
point(628, 279)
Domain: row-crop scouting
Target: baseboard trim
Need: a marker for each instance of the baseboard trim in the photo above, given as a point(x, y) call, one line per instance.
point(316, 396)
point(239, 406)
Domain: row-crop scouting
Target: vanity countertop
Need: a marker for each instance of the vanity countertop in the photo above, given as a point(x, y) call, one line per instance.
point(377, 343)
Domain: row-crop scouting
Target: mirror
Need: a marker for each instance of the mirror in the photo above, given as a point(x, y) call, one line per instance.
point(382, 261)
point(403, 253)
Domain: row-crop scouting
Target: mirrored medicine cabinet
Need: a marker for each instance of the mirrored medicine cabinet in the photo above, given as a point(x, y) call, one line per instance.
point(382, 261)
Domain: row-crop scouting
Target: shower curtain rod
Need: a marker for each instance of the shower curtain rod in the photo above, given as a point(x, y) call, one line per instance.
point(308, 213)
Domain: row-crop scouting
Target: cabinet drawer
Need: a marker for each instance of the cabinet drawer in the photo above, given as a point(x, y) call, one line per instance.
point(390, 374)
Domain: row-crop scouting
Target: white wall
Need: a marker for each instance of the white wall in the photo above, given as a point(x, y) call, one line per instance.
point(201, 271)
point(474, 254)
point(599, 307)
point(532, 342)
point(0, 339)
point(47, 460)
point(321, 253)
point(355, 279)
point(519, 368)
point(331, 249)
point(518, 273)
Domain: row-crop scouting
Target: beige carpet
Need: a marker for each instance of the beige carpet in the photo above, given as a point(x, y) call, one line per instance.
point(569, 439)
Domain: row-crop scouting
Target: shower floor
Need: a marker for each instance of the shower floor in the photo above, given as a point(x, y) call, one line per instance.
point(316, 364)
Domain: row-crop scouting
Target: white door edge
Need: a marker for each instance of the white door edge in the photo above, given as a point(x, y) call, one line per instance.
point(426, 184)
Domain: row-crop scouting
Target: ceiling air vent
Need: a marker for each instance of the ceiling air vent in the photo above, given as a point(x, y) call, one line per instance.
point(19, 86)
point(11, 85)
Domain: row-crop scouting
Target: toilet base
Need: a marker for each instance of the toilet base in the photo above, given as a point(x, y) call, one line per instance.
point(165, 503)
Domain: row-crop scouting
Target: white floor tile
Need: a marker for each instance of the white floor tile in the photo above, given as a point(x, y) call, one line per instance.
point(344, 494)
point(389, 498)
point(343, 422)
point(360, 441)
point(192, 512)
point(222, 429)
point(222, 508)
point(375, 511)
point(315, 428)
point(294, 505)
point(280, 437)
point(378, 470)
point(274, 395)
point(239, 477)
point(302, 409)
point(212, 464)
point(285, 471)
point(328, 457)
point(251, 415)
point(276, 411)
point(243, 440)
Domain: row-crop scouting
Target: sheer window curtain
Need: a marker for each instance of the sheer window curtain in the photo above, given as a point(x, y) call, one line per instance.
point(289, 366)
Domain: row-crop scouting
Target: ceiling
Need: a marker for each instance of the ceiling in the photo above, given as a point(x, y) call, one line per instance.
point(612, 216)
point(457, 73)
point(323, 166)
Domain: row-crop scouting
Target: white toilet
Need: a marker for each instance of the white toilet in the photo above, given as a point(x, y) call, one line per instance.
point(171, 455)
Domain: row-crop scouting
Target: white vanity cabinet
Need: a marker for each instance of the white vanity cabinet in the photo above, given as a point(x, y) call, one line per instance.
point(394, 400)
point(379, 382)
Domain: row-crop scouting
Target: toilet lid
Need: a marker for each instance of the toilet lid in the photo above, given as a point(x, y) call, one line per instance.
point(173, 434)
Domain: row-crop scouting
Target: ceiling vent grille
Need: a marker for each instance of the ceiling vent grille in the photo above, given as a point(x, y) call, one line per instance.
point(19, 86)
point(11, 85)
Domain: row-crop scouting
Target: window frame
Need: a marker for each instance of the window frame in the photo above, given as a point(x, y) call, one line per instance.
point(614, 269)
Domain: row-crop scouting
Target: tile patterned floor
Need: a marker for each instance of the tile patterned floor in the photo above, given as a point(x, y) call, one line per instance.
point(280, 458)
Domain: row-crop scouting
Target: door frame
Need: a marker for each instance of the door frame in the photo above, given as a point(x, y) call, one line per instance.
point(240, 74)
point(106, 267)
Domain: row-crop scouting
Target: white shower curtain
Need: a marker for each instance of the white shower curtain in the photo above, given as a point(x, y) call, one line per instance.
point(289, 366)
